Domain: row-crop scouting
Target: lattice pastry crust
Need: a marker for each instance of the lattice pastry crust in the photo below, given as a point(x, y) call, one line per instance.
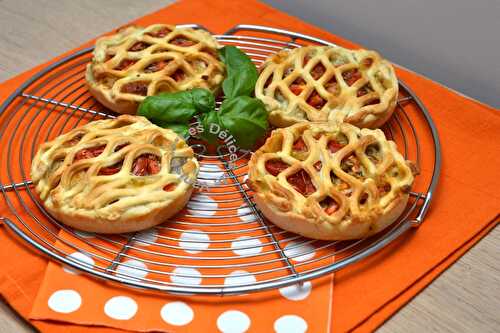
point(138, 62)
point(116, 175)
point(321, 83)
point(330, 181)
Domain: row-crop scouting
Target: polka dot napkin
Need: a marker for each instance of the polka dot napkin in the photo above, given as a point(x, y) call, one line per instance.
point(182, 252)
point(65, 296)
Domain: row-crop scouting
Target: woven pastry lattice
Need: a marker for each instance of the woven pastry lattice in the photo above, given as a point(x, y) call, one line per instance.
point(329, 173)
point(138, 62)
point(110, 166)
point(320, 83)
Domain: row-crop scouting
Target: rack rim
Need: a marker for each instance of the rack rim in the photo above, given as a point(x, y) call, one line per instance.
point(393, 234)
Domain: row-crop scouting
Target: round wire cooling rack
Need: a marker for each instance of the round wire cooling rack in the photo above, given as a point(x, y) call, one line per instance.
point(220, 244)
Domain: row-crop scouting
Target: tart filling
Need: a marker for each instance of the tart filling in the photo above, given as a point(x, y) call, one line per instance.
point(330, 181)
point(320, 83)
point(115, 175)
point(139, 62)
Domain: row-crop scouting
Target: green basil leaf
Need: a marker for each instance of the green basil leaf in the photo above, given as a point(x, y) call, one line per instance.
point(178, 107)
point(241, 72)
point(181, 129)
point(165, 108)
point(245, 118)
point(222, 54)
point(203, 99)
point(211, 127)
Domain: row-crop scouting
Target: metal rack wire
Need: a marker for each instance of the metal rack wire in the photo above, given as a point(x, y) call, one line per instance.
point(221, 244)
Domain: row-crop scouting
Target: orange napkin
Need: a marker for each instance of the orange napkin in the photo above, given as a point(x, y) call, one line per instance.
point(67, 296)
point(465, 206)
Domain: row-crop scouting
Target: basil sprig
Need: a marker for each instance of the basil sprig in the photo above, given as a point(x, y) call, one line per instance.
point(242, 116)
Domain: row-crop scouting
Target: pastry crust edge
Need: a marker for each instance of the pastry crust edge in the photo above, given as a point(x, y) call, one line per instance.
point(124, 223)
point(328, 231)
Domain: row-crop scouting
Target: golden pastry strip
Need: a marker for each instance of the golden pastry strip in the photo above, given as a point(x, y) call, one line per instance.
point(320, 83)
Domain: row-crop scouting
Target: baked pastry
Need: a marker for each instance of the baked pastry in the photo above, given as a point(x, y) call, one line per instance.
point(326, 83)
point(116, 175)
point(138, 62)
point(330, 181)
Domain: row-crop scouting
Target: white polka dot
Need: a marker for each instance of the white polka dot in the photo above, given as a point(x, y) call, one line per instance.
point(246, 246)
point(244, 181)
point(144, 238)
point(84, 234)
point(65, 301)
point(212, 175)
point(205, 208)
point(233, 321)
point(246, 214)
point(296, 292)
point(177, 313)
point(120, 308)
point(299, 251)
point(132, 267)
point(194, 279)
point(81, 258)
point(239, 277)
point(290, 324)
point(194, 241)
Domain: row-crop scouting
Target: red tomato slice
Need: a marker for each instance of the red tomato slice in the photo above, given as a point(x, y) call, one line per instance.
point(146, 165)
point(89, 153)
point(318, 71)
point(139, 46)
point(111, 170)
point(160, 33)
point(329, 205)
point(351, 76)
point(302, 183)
point(274, 167)
point(299, 145)
point(124, 64)
point(316, 101)
point(182, 41)
point(334, 146)
point(170, 187)
point(296, 88)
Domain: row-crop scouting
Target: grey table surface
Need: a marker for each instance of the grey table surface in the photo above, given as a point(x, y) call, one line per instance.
point(465, 298)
